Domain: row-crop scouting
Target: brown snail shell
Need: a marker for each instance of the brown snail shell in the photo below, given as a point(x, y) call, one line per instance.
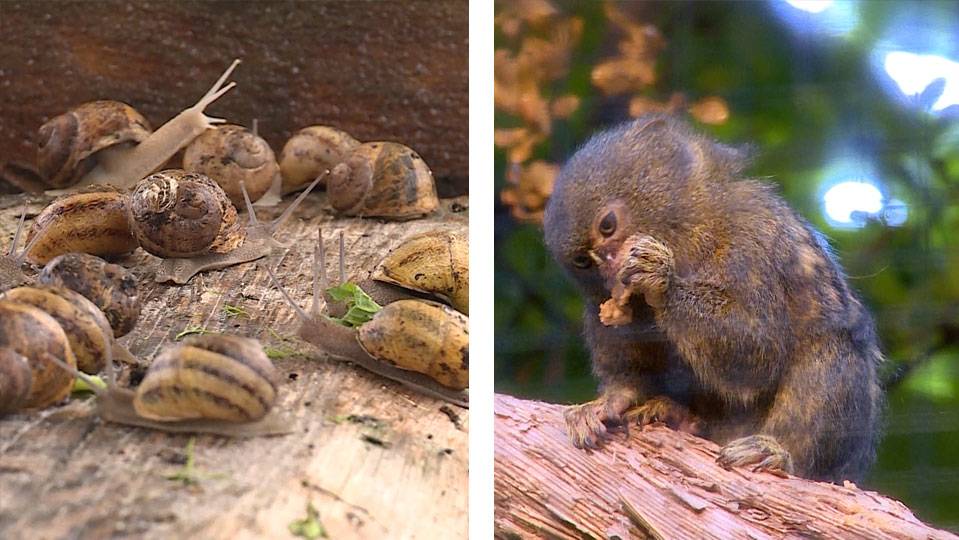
point(211, 376)
point(93, 221)
point(15, 380)
point(311, 151)
point(383, 179)
point(67, 144)
point(176, 214)
point(425, 337)
point(435, 262)
point(85, 325)
point(230, 154)
point(37, 336)
point(111, 287)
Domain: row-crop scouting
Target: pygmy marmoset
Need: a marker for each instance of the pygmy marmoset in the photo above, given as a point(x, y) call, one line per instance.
point(712, 306)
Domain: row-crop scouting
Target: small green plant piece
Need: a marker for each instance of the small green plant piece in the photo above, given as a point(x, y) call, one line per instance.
point(278, 352)
point(193, 330)
point(309, 528)
point(235, 311)
point(360, 307)
point(188, 474)
point(80, 386)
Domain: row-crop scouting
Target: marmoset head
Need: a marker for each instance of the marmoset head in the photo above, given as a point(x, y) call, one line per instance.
point(652, 176)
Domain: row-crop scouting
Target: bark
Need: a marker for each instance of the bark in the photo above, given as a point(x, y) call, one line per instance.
point(660, 483)
point(375, 459)
point(383, 71)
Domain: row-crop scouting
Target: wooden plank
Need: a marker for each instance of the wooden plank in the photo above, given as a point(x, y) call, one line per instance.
point(393, 70)
point(375, 459)
point(659, 483)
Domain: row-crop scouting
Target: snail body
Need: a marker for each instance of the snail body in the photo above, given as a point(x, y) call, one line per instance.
point(93, 221)
point(310, 151)
point(85, 326)
point(230, 154)
point(15, 380)
point(383, 179)
point(71, 152)
point(38, 337)
point(435, 262)
point(112, 288)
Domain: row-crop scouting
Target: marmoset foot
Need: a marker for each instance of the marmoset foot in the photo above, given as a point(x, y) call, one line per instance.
point(588, 424)
point(761, 452)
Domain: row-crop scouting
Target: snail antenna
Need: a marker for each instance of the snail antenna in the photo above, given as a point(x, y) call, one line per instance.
point(320, 282)
point(342, 259)
point(278, 222)
point(286, 296)
point(16, 235)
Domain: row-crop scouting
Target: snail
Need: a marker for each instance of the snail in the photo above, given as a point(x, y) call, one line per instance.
point(230, 154)
point(184, 218)
point(382, 179)
point(310, 151)
point(85, 326)
point(412, 368)
point(435, 262)
point(109, 142)
point(37, 336)
point(15, 380)
point(93, 221)
point(232, 243)
point(216, 384)
point(110, 287)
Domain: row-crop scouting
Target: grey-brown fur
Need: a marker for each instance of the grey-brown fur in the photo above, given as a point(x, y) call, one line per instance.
point(759, 333)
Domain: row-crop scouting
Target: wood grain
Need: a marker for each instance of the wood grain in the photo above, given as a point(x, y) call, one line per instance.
point(388, 70)
point(664, 484)
point(375, 459)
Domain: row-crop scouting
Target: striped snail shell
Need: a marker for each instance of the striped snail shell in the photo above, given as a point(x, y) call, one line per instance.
point(230, 154)
point(177, 214)
point(311, 151)
point(212, 376)
point(15, 380)
point(425, 337)
point(383, 179)
point(67, 144)
point(86, 328)
point(111, 287)
point(92, 221)
point(37, 336)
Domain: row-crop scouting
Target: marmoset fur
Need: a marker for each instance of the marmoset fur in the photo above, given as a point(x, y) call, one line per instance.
point(726, 314)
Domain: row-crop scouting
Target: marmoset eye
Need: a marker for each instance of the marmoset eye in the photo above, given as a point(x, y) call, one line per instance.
point(608, 226)
point(582, 261)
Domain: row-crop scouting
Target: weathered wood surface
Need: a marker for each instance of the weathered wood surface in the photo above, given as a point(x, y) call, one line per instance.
point(660, 483)
point(375, 459)
point(394, 70)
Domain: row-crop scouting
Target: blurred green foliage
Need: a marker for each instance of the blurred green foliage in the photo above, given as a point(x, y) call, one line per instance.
point(816, 105)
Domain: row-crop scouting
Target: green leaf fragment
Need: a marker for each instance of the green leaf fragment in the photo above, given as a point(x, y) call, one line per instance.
point(360, 307)
point(309, 528)
point(80, 386)
point(195, 330)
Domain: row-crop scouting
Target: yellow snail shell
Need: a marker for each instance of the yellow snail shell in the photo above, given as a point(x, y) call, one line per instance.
point(111, 287)
point(435, 262)
point(425, 337)
point(37, 336)
point(383, 179)
point(230, 154)
point(93, 221)
point(67, 144)
point(311, 151)
point(176, 214)
point(211, 376)
point(85, 325)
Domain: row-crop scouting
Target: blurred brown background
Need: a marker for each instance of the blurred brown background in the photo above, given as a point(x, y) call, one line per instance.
point(398, 72)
